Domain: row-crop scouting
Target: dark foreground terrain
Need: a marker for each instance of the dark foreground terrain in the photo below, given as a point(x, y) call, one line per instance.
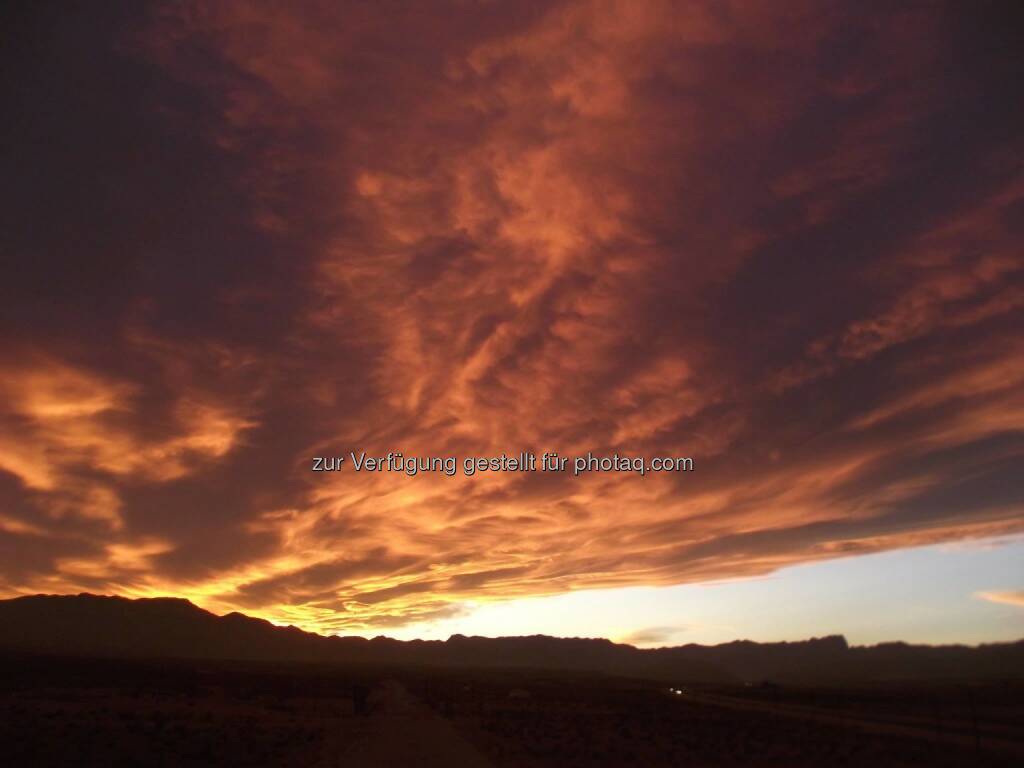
point(59, 711)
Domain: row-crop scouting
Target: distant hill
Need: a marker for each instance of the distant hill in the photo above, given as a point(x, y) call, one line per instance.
point(92, 625)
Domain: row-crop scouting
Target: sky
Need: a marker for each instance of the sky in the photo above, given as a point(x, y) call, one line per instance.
point(906, 595)
point(784, 240)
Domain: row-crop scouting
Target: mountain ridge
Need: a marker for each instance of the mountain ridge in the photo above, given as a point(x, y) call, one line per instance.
point(172, 627)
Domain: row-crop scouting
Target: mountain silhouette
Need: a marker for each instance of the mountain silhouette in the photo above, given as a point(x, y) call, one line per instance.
point(91, 625)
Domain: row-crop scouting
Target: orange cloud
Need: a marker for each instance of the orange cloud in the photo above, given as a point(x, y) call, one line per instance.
point(1007, 597)
point(615, 227)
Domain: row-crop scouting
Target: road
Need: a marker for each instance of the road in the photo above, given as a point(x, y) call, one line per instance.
point(951, 732)
point(401, 731)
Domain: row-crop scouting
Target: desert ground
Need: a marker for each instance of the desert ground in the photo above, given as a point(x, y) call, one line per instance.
point(94, 712)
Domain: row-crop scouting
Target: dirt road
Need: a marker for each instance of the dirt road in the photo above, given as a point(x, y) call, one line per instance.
point(401, 731)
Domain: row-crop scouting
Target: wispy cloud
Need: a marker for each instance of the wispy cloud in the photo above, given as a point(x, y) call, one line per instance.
point(780, 240)
point(653, 636)
point(1007, 597)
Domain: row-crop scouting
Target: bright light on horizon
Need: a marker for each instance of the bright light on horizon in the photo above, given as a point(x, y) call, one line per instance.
point(902, 595)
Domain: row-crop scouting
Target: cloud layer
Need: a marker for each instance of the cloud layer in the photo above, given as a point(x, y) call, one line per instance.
point(1010, 597)
point(785, 242)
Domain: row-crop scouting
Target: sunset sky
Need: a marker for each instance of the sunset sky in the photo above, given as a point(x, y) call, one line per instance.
point(785, 239)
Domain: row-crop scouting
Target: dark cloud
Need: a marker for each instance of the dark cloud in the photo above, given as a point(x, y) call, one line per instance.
point(783, 241)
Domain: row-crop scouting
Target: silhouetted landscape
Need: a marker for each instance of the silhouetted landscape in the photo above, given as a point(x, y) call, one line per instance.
point(177, 629)
point(95, 680)
point(659, 360)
